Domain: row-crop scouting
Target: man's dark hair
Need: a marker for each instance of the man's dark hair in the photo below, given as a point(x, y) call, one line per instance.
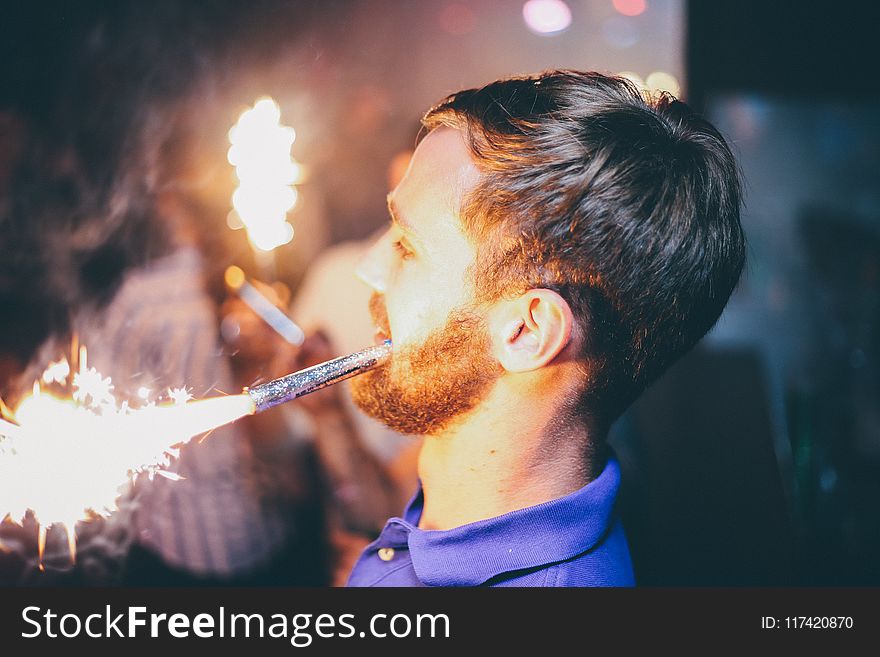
point(625, 203)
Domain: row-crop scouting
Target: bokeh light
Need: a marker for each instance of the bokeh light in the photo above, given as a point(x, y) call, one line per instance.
point(630, 7)
point(457, 19)
point(620, 32)
point(663, 81)
point(546, 17)
point(635, 78)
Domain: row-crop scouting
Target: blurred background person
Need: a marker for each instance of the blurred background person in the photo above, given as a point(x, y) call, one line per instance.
point(103, 245)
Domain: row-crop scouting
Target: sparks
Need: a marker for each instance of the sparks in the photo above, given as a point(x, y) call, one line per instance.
point(57, 372)
point(90, 386)
point(70, 455)
point(179, 395)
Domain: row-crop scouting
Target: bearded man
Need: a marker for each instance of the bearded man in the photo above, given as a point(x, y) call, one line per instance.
point(556, 244)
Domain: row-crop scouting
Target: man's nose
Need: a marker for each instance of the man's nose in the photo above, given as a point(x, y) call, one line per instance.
point(373, 266)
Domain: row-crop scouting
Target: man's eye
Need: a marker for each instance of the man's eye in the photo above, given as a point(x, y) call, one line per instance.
point(401, 250)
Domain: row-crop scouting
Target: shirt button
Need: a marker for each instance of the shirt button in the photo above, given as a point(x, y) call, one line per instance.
point(386, 554)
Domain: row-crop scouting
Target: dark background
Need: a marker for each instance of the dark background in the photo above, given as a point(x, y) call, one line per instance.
point(792, 368)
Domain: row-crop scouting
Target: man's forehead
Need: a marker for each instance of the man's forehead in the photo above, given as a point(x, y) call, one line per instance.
point(442, 168)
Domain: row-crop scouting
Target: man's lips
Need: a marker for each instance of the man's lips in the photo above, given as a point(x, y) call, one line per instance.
point(379, 315)
point(380, 336)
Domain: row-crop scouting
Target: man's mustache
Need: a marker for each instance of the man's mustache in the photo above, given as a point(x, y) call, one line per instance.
point(379, 313)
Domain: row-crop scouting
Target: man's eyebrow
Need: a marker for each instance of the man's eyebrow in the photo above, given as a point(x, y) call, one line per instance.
point(397, 218)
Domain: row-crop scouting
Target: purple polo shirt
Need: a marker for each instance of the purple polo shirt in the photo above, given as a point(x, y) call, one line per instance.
point(574, 540)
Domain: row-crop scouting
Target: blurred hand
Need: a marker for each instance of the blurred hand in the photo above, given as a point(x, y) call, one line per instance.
point(256, 350)
point(316, 348)
point(258, 353)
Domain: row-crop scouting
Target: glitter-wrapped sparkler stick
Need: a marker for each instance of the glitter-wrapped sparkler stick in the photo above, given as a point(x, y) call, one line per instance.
point(319, 376)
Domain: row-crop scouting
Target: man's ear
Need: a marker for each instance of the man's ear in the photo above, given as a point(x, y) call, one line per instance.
point(531, 330)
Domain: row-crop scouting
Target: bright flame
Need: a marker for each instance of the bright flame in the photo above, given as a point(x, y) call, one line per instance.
point(68, 455)
point(260, 153)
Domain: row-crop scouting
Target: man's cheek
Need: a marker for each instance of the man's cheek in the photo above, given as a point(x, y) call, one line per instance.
point(410, 320)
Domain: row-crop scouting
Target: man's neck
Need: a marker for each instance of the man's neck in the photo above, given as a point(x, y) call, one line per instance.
point(500, 460)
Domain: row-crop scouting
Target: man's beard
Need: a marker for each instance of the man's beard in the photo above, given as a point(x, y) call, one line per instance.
point(423, 388)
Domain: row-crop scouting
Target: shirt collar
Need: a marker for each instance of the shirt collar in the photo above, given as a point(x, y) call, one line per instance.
point(528, 538)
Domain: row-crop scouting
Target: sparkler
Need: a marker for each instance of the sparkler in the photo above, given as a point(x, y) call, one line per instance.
point(73, 446)
point(68, 455)
point(260, 153)
point(8, 429)
point(319, 376)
